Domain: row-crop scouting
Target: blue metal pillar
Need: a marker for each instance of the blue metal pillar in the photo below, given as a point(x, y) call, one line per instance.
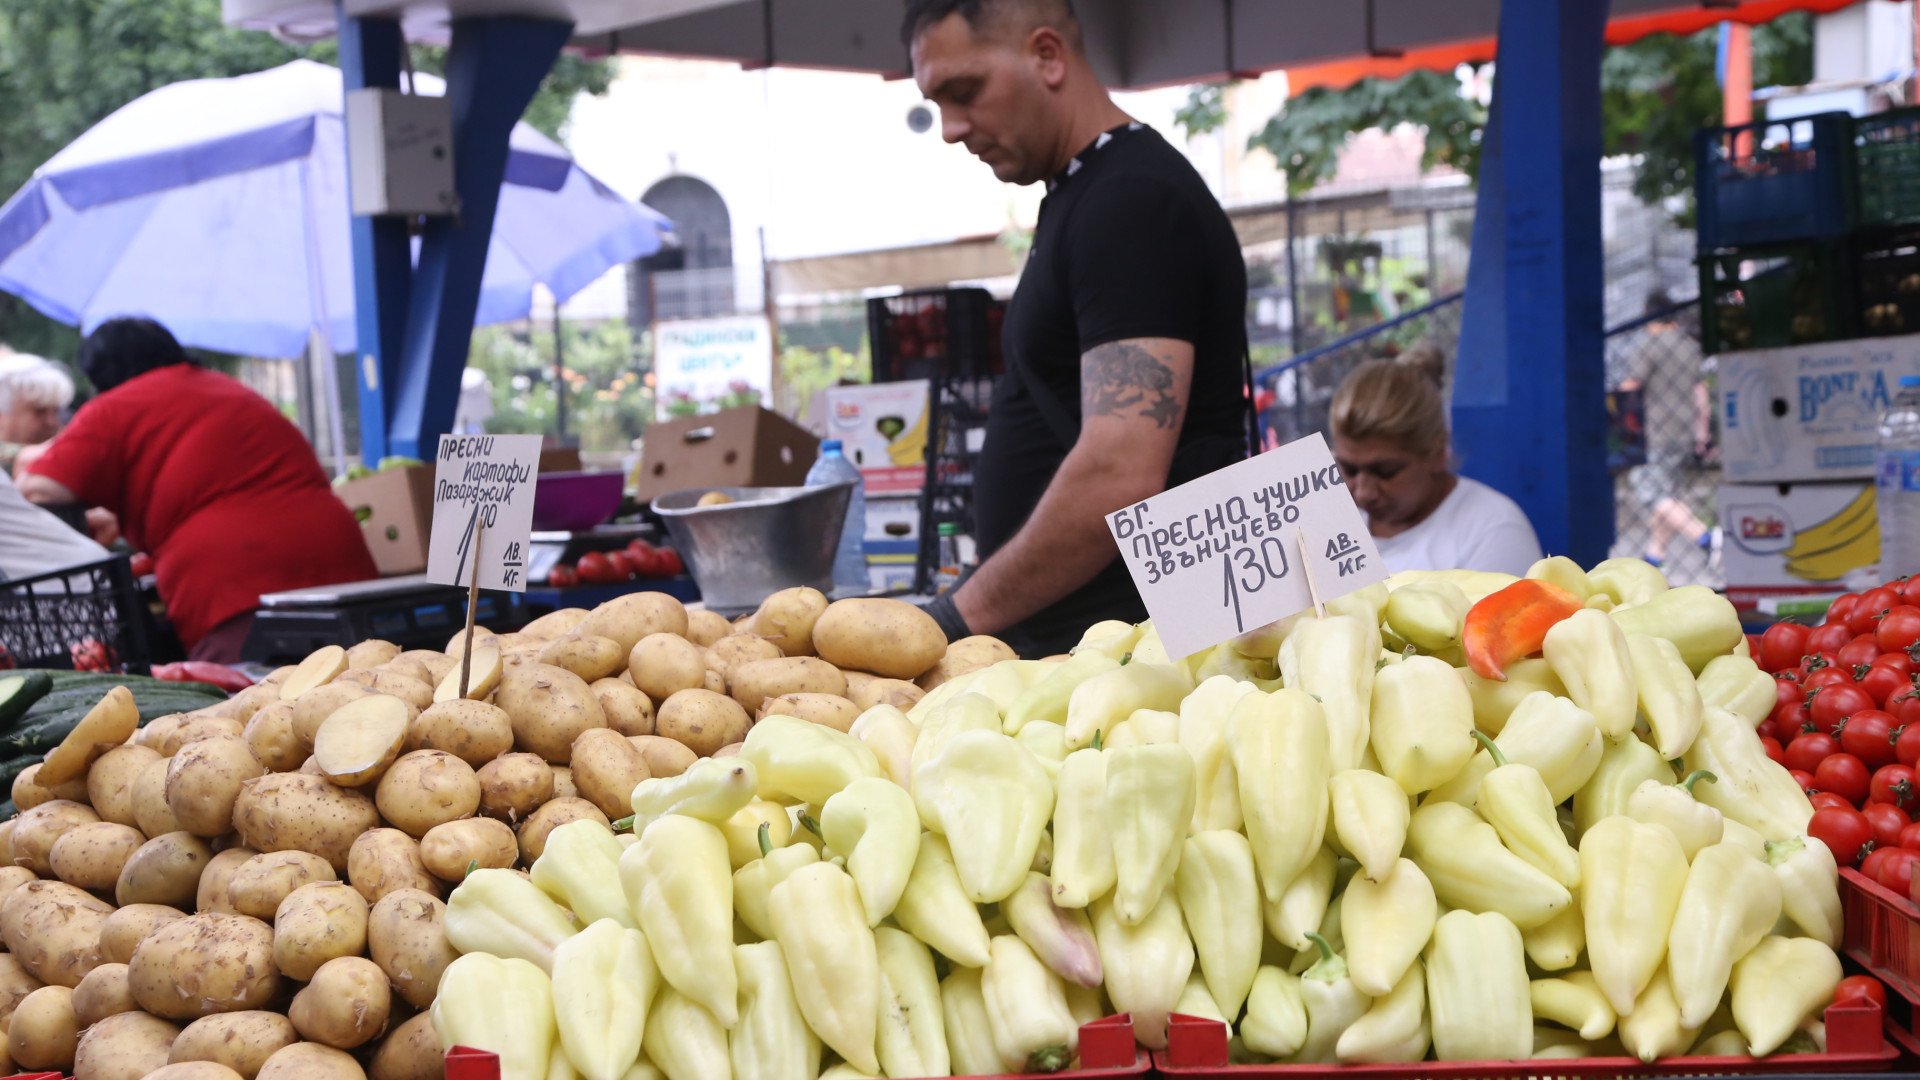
point(494, 65)
point(370, 55)
point(1529, 410)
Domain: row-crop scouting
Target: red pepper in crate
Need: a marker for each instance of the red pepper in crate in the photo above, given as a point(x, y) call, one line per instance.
point(203, 671)
point(91, 655)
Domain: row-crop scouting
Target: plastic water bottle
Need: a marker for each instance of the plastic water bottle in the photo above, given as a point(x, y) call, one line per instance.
point(1897, 482)
point(946, 570)
point(850, 558)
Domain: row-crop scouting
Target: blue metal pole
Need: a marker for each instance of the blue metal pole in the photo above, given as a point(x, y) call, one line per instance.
point(494, 65)
point(1529, 393)
point(370, 56)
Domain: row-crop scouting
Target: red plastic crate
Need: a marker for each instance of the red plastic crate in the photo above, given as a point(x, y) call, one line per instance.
point(1197, 1049)
point(1106, 1050)
point(1882, 931)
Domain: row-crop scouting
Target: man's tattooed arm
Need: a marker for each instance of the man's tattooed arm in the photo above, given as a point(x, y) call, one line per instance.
point(1123, 379)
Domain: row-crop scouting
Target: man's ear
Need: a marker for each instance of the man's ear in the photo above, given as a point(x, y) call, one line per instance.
point(1048, 53)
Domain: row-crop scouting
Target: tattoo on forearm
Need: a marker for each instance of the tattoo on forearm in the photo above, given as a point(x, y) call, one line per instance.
point(1118, 378)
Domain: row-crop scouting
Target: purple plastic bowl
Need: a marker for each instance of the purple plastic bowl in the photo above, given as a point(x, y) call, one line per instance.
point(575, 501)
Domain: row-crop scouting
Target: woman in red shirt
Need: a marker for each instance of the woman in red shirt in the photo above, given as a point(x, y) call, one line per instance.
point(207, 477)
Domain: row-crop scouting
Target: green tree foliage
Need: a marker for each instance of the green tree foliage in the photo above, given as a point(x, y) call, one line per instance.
point(66, 64)
point(608, 401)
point(1655, 94)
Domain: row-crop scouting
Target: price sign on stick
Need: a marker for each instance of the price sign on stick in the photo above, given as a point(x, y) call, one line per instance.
point(483, 495)
point(1246, 545)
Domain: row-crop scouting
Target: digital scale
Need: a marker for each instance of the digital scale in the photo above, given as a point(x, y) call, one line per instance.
point(409, 611)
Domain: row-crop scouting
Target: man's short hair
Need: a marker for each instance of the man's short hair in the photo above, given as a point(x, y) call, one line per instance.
point(31, 379)
point(987, 16)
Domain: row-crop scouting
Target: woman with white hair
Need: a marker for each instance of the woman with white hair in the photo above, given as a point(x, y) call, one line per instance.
point(33, 394)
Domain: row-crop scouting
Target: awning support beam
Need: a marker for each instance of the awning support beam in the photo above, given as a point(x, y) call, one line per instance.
point(1529, 386)
point(371, 51)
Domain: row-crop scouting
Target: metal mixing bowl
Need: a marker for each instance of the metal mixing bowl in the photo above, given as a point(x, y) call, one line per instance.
point(765, 540)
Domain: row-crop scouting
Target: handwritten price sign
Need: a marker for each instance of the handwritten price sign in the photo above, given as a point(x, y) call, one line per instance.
point(1235, 549)
point(483, 486)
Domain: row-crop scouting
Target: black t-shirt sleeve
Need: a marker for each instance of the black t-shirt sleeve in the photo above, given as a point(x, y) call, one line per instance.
point(1137, 265)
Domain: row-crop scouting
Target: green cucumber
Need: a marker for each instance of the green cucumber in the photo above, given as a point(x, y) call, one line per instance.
point(19, 692)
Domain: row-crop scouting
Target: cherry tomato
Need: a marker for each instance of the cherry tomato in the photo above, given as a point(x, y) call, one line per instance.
point(1906, 744)
point(1845, 832)
point(1908, 588)
point(1841, 608)
point(1792, 722)
point(1900, 660)
point(1832, 675)
point(1782, 646)
point(1775, 753)
point(1859, 652)
point(1823, 800)
point(622, 566)
point(1868, 735)
point(1856, 989)
point(1847, 776)
point(1808, 751)
point(1896, 871)
point(141, 564)
point(1832, 704)
point(1894, 784)
point(1910, 837)
point(594, 569)
point(1874, 603)
point(1877, 858)
point(1787, 688)
point(1803, 778)
point(1881, 682)
point(563, 577)
point(1829, 638)
point(1899, 630)
point(671, 563)
point(1887, 821)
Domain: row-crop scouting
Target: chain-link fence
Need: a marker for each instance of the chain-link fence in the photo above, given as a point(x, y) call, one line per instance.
point(1295, 396)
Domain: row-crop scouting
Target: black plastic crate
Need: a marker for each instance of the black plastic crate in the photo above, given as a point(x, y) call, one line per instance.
point(88, 616)
point(1886, 284)
point(1886, 165)
point(1774, 181)
point(935, 334)
point(1783, 295)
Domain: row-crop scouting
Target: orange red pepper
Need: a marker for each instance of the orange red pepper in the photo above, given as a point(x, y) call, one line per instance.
point(1512, 623)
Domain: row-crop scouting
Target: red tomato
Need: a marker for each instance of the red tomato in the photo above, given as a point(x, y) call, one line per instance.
point(1868, 735)
point(1858, 653)
point(1832, 704)
point(1908, 588)
point(1860, 988)
point(594, 569)
point(1803, 778)
point(1845, 832)
point(1829, 638)
point(638, 548)
point(1831, 675)
point(1882, 681)
point(141, 564)
point(1775, 753)
point(1877, 858)
point(563, 577)
point(1910, 837)
point(1906, 744)
point(1782, 646)
point(1846, 776)
point(1808, 751)
point(1887, 821)
point(1823, 800)
point(1894, 784)
point(1901, 661)
point(622, 566)
point(1792, 722)
point(671, 564)
point(1787, 689)
point(1841, 609)
point(1899, 630)
point(1897, 870)
point(1905, 706)
point(1874, 603)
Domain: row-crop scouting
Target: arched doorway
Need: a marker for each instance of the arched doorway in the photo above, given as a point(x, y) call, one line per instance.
point(692, 274)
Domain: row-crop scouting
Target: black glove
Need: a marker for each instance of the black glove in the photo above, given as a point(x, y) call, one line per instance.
point(948, 616)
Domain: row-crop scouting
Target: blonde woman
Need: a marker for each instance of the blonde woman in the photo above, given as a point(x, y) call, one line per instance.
point(1391, 442)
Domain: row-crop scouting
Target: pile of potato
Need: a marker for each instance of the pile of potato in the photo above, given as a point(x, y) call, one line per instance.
point(255, 889)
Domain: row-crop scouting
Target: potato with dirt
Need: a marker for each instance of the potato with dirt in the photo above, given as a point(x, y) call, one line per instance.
point(606, 769)
point(406, 936)
point(476, 732)
point(383, 860)
point(628, 711)
point(427, 788)
point(448, 850)
point(241, 1041)
point(753, 683)
point(103, 993)
point(91, 855)
point(549, 708)
point(165, 870)
point(533, 832)
point(53, 929)
point(513, 786)
point(626, 619)
point(317, 923)
point(786, 618)
point(258, 885)
point(36, 830)
point(345, 1005)
point(125, 1046)
point(110, 783)
point(204, 964)
point(43, 1031)
point(890, 638)
point(204, 778)
point(126, 928)
point(296, 811)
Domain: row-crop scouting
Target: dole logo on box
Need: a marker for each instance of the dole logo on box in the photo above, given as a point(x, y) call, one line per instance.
point(1761, 529)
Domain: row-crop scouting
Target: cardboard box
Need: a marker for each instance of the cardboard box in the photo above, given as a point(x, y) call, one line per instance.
point(893, 519)
point(890, 577)
point(882, 429)
point(395, 508)
point(1779, 539)
point(1809, 412)
point(744, 447)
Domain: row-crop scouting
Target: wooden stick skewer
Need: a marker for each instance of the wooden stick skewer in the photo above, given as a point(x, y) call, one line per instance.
point(473, 603)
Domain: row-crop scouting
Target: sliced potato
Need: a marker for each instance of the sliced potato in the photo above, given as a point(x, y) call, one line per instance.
point(483, 675)
point(321, 667)
point(357, 743)
point(107, 725)
point(313, 707)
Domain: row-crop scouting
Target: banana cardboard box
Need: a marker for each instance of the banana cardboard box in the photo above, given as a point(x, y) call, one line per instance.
point(882, 429)
point(1780, 539)
point(1808, 412)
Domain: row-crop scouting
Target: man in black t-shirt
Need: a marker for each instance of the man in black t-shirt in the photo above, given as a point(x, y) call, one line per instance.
point(1125, 340)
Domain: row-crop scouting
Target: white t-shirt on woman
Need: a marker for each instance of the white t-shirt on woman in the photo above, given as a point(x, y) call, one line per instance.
point(1473, 528)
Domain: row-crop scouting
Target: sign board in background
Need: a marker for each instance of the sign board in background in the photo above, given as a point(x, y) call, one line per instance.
point(483, 479)
point(1233, 550)
point(1808, 412)
point(703, 365)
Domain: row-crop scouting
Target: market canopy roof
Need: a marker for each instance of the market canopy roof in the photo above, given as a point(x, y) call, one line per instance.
point(1134, 43)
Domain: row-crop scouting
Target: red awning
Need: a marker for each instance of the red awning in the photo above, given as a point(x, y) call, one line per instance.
point(1679, 18)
